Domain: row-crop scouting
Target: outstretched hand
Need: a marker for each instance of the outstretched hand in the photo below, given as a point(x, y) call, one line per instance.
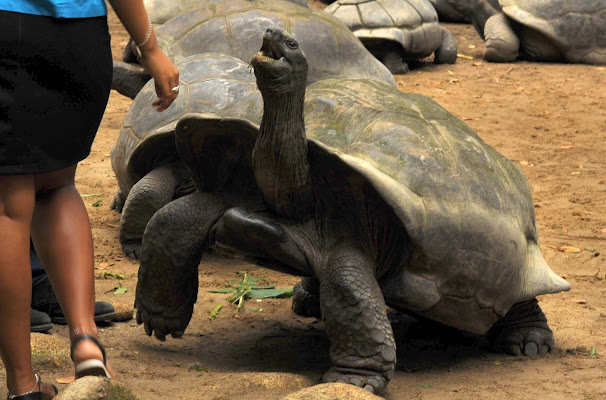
point(166, 77)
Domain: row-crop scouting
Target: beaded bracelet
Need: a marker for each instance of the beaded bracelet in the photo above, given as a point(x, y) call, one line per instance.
point(136, 48)
point(148, 33)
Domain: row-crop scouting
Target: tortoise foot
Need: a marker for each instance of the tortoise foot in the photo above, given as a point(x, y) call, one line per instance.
point(118, 202)
point(305, 302)
point(523, 331)
point(525, 341)
point(161, 325)
point(368, 380)
point(132, 250)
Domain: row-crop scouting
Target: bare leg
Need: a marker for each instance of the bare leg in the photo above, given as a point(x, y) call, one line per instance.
point(62, 236)
point(16, 209)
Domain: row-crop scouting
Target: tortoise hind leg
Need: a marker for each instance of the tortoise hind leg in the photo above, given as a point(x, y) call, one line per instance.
point(522, 331)
point(306, 298)
point(395, 63)
point(363, 349)
point(447, 52)
point(502, 43)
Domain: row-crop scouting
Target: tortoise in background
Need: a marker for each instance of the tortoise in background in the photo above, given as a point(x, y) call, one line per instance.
point(447, 13)
point(144, 159)
point(537, 30)
point(397, 32)
point(375, 196)
point(236, 28)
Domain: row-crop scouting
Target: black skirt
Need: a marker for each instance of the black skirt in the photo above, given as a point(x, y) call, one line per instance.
point(55, 79)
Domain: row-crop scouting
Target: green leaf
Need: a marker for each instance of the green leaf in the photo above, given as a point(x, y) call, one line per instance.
point(91, 195)
point(592, 351)
point(223, 290)
point(426, 386)
point(214, 313)
point(114, 275)
point(282, 293)
point(121, 290)
point(97, 203)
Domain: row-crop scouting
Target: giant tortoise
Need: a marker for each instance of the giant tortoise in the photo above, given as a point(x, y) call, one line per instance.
point(160, 11)
point(144, 159)
point(556, 30)
point(397, 31)
point(236, 28)
point(447, 13)
point(377, 197)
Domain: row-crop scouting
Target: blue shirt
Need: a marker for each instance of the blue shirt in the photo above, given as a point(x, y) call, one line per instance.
point(57, 8)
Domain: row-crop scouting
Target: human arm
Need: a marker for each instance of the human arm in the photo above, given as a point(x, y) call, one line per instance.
point(134, 17)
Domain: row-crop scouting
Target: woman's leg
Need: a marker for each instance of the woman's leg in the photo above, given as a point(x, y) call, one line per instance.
point(62, 237)
point(16, 209)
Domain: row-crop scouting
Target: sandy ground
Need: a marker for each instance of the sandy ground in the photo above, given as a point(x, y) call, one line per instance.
point(548, 118)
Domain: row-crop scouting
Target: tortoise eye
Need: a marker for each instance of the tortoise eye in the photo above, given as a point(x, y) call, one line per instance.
point(291, 43)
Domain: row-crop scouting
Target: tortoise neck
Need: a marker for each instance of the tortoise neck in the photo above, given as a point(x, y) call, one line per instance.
point(280, 160)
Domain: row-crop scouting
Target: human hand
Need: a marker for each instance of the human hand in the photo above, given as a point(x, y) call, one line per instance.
point(165, 74)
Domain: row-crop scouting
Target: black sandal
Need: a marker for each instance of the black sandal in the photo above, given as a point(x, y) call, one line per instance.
point(92, 367)
point(32, 394)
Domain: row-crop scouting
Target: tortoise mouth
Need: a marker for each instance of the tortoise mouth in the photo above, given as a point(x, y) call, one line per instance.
point(270, 50)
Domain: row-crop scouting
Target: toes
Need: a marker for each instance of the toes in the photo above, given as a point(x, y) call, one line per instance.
point(544, 350)
point(514, 350)
point(371, 383)
point(531, 349)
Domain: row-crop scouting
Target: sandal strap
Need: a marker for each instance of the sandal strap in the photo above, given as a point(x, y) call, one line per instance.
point(32, 394)
point(93, 339)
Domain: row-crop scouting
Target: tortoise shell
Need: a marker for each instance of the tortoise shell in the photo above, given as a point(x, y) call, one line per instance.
point(161, 11)
point(466, 209)
point(411, 23)
point(210, 83)
point(236, 28)
point(577, 28)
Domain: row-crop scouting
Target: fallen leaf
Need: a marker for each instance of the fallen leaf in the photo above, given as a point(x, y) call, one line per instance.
point(564, 276)
point(497, 363)
point(603, 230)
point(579, 301)
point(462, 390)
point(477, 64)
point(569, 146)
point(66, 379)
point(465, 56)
point(145, 372)
point(575, 173)
point(103, 265)
point(524, 163)
point(569, 249)
point(564, 230)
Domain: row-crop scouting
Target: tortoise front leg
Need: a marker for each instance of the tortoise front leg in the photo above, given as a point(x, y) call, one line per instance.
point(363, 350)
point(173, 243)
point(152, 192)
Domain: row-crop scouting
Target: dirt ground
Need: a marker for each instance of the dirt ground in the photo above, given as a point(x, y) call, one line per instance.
point(550, 119)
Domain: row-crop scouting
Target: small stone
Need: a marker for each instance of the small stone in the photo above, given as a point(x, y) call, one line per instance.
point(124, 312)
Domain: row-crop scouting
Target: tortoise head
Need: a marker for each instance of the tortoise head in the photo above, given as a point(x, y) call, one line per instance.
point(280, 65)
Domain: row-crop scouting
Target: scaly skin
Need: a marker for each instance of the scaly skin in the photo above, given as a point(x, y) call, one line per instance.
point(148, 195)
point(175, 239)
point(522, 331)
point(363, 350)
